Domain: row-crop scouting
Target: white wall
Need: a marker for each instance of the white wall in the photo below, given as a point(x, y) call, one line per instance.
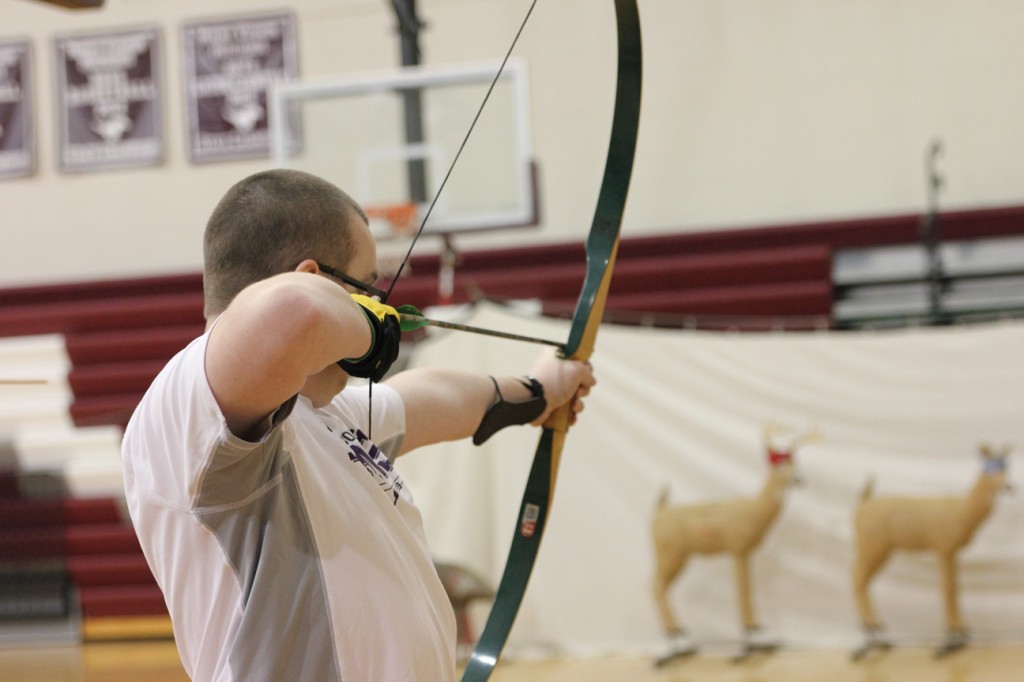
point(753, 113)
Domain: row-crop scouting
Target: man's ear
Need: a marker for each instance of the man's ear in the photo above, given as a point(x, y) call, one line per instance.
point(308, 265)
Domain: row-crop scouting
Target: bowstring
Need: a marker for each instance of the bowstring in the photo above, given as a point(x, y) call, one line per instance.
point(447, 175)
point(451, 166)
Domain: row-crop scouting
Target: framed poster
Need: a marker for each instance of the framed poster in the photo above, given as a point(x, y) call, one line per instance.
point(17, 133)
point(109, 99)
point(229, 67)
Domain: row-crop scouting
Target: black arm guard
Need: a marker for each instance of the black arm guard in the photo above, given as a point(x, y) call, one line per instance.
point(383, 349)
point(504, 413)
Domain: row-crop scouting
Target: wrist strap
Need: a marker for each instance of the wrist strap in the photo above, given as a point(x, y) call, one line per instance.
point(370, 320)
point(504, 413)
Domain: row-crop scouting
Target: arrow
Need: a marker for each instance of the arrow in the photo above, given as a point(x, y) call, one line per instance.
point(412, 321)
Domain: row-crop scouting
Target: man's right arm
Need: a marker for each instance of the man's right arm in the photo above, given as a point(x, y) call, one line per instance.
point(272, 338)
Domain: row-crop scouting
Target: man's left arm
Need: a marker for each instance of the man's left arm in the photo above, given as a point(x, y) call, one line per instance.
point(445, 405)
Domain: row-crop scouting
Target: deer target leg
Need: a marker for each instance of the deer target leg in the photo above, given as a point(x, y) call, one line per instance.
point(667, 569)
point(869, 562)
point(754, 640)
point(741, 565)
point(956, 635)
point(947, 564)
point(679, 645)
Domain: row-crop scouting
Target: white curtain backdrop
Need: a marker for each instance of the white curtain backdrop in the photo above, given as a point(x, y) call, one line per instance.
point(685, 410)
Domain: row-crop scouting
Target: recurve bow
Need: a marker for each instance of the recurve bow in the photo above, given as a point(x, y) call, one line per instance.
point(602, 245)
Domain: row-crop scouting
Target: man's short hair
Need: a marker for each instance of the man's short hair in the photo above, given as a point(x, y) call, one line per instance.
point(267, 224)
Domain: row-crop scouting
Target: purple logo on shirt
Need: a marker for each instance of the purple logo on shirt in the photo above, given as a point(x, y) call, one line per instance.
point(364, 451)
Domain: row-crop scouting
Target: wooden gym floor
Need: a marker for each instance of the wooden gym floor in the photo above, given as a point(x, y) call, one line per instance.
point(158, 662)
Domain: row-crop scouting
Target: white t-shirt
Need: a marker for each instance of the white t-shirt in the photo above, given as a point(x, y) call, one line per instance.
point(299, 557)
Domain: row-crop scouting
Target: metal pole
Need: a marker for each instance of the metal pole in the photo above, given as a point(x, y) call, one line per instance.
point(409, 27)
point(931, 234)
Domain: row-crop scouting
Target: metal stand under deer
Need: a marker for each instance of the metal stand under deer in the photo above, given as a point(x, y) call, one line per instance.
point(944, 525)
point(733, 527)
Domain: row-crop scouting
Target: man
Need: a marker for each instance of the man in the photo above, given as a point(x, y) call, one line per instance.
point(263, 490)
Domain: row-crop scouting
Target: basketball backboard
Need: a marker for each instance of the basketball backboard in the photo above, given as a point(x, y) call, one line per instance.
point(388, 138)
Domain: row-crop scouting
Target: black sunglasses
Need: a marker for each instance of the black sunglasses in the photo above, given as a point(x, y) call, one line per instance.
point(373, 291)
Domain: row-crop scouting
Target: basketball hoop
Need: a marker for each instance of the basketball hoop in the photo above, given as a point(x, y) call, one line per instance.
point(393, 227)
point(400, 219)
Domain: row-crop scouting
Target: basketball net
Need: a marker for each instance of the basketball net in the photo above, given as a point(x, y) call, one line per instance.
point(393, 227)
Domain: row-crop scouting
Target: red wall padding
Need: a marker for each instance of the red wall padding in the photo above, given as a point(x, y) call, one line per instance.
point(123, 600)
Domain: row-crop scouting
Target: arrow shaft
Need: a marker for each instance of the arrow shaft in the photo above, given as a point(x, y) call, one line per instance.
point(427, 322)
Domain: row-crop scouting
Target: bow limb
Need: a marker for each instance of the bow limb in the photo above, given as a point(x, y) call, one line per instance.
point(602, 245)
